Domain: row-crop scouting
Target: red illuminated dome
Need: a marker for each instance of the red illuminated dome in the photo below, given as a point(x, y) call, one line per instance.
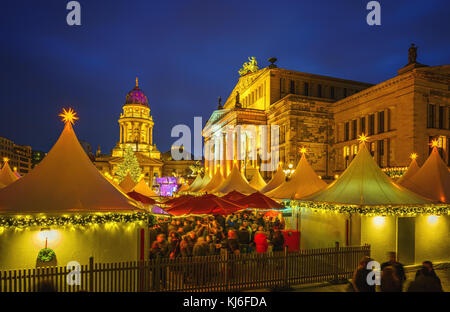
point(136, 96)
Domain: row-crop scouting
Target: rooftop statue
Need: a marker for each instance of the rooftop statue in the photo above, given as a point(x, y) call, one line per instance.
point(412, 54)
point(249, 67)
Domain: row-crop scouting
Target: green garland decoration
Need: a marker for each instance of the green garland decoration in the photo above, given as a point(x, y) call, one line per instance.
point(395, 172)
point(46, 255)
point(81, 220)
point(375, 210)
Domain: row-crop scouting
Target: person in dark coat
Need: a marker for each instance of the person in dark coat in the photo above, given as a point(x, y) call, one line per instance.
point(398, 267)
point(426, 280)
point(232, 243)
point(390, 281)
point(159, 248)
point(174, 245)
point(244, 239)
point(200, 248)
point(359, 279)
point(277, 240)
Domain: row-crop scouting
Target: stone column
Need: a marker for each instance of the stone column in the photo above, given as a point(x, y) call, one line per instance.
point(386, 120)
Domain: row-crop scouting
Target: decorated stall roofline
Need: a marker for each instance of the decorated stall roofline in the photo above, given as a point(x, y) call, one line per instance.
point(372, 210)
point(8, 221)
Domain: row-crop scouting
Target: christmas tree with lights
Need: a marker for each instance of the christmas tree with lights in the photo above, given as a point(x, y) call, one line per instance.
point(129, 164)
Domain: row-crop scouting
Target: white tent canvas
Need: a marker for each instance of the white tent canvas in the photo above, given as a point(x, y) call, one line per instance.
point(7, 176)
point(127, 183)
point(196, 184)
point(65, 181)
point(363, 183)
point(413, 168)
point(257, 181)
point(304, 181)
point(216, 180)
point(183, 188)
point(142, 188)
point(206, 179)
point(278, 178)
point(235, 182)
point(432, 180)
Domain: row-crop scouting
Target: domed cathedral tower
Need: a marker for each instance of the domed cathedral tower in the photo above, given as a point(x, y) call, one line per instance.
point(136, 130)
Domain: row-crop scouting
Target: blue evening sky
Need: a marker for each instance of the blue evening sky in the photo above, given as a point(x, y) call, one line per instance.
point(187, 53)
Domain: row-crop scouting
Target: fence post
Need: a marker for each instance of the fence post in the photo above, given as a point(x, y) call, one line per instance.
point(285, 268)
point(226, 267)
point(336, 262)
point(157, 274)
point(91, 274)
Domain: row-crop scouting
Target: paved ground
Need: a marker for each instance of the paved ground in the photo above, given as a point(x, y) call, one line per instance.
point(442, 270)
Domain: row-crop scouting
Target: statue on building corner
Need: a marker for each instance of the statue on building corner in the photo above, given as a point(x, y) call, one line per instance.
point(237, 104)
point(220, 104)
point(412, 54)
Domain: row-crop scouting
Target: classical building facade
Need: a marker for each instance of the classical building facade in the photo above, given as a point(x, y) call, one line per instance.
point(326, 115)
point(136, 130)
point(19, 156)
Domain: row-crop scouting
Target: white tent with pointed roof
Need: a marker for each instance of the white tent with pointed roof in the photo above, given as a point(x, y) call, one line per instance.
point(278, 178)
point(7, 176)
point(195, 185)
point(257, 181)
point(413, 168)
point(432, 180)
point(363, 183)
point(216, 180)
point(142, 188)
point(206, 179)
point(303, 182)
point(235, 182)
point(183, 188)
point(127, 183)
point(65, 181)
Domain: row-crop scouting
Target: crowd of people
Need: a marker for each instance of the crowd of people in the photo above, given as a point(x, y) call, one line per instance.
point(240, 233)
point(250, 232)
point(393, 277)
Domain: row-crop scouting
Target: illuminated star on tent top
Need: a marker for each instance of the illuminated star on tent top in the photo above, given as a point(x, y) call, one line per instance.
point(303, 150)
point(435, 143)
point(363, 138)
point(413, 156)
point(68, 116)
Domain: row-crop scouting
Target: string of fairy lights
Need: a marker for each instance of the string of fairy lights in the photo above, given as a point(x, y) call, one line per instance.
point(75, 220)
point(372, 210)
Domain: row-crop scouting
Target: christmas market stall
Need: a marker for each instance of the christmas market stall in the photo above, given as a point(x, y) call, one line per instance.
point(278, 178)
point(364, 206)
point(432, 180)
point(412, 170)
point(196, 184)
point(215, 181)
point(7, 176)
point(257, 181)
point(303, 182)
point(127, 184)
point(234, 182)
point(208, 204)
point(65, 210)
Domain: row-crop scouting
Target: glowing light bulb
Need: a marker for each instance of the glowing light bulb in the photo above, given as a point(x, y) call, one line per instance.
point(433, 219)
point(379, 220)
